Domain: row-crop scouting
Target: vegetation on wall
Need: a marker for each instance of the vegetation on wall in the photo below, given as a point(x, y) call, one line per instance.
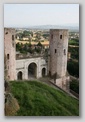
point(74, 85)
point(74, 52)
point(73, 68)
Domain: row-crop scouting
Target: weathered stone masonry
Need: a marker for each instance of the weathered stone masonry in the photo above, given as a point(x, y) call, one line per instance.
point(57, 60)
point(58, 56)
point(9, 52)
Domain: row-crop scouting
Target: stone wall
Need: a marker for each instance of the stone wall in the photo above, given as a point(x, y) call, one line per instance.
point(23, 64)
point(58, 57)
point(58, 52)
point(9, 53)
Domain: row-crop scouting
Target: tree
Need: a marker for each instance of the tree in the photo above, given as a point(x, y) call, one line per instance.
point(39, 44)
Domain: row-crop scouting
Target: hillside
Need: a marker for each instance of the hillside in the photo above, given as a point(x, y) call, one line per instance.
point(39, 99)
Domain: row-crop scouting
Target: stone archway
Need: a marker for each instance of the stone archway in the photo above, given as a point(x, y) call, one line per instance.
point(43, 72)
point(19, 75)
point(32, 70)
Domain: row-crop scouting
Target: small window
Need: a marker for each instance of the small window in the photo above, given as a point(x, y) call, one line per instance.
point(7, 56)
point(52, 36)
point(55, 51)
point(6, 33)
point(12, 37)
point(13, 40)
point(5, 100)
point(64, 52)
point(60, 36)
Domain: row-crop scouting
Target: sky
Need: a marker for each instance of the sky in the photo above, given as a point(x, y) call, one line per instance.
point(25, 15)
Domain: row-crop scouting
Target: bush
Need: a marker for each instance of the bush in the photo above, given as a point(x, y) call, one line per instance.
point(74, 85)
point(73, 68)
point(74, 52)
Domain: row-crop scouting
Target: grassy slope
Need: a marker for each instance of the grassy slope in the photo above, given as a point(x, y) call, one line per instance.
point(38, 99)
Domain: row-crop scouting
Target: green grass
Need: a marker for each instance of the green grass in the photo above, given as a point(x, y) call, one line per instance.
point(38, 99)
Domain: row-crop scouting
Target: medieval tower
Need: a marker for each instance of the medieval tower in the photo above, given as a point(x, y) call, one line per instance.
point(9, 53)
point(58, 56)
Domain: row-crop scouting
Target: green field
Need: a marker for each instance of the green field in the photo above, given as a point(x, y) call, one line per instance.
point(39, 99)
point(74, 42)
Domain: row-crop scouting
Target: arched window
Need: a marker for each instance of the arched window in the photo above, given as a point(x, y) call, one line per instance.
point(19, 75)
point(32, 70)
point(43, 72)
point(7, 56)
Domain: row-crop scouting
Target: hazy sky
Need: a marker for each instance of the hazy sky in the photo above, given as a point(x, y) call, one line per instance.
point(23, 15)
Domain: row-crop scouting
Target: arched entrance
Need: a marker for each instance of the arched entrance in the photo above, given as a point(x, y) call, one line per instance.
point(43, 72)
point(19, 75)
point(32, 70)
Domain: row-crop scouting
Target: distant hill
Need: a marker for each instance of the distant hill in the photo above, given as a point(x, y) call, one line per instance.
point(38, 99)
point(72, 27)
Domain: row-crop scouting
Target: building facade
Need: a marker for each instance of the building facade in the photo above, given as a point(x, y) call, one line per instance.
point(31, 68)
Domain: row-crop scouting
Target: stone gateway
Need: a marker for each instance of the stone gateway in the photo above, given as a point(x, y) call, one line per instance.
point(36, 67)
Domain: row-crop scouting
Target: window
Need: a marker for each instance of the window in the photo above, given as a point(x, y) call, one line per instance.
point(64, 52)
point(12, 37)
point(6, 33)
point(13, 40)
point(60, 36)
point(52, 36)
point(7, 56)
point(55, 51)
point(19, 75)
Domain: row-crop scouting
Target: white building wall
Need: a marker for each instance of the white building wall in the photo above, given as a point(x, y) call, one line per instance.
point(22, 65)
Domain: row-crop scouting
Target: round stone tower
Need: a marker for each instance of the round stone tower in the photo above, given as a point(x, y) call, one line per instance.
point(9, 53)
point(58, 53)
